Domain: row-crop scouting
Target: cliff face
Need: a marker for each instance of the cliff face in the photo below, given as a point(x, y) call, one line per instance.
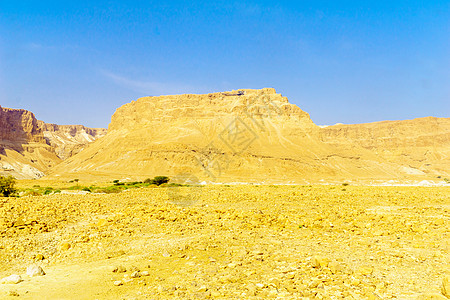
point(68, 140)
point(19, 125)
point(420, 146)
point(29, 147)
point(252, 136)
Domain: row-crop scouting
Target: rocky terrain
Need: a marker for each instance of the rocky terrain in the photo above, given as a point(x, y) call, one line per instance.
point(258, 136)
point(228, 242)
point(29, 147)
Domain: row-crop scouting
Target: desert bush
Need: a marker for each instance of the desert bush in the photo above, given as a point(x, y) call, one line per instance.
point(158, 180)
point(7, 186)
point(117, 182)
point(48, 191)
point(110, 189)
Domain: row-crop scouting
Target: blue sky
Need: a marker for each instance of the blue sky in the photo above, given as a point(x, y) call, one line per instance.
point(75, 62)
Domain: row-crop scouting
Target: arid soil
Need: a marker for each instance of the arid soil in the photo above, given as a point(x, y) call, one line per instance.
point(229, 242)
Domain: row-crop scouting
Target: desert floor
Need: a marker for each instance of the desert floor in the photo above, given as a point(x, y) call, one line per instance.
point(228, 242)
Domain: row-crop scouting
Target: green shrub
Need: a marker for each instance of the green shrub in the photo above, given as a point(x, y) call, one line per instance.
point(7, 186)
point(111, 189)
point(158, 180)
point(86, 189)
point(74, 187)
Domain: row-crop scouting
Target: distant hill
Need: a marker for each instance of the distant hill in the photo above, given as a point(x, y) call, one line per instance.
point(256, 136)
point(29, 147)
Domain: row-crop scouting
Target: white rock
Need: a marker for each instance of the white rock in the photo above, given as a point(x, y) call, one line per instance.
point(135, 274)
point(35, 270)
point(12, 279)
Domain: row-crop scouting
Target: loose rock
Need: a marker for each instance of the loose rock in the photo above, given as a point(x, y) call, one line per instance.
point(12, 279)
point(35, 270)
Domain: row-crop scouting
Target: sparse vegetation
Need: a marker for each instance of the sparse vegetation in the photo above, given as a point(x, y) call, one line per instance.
point(116, 187)
point(158, 180)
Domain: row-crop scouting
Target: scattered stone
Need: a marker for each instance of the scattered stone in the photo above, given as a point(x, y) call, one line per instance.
point(202, 289)
point(118, 282)
point(102, 222)
point(116, 253)
point(12, 279)
point(319, 262)
point(259, 285)
point(13, 294)
point(35, 270)
point(65, 246)
point(145, 273)
point(334, 267)
point(39, 257)
point(366, 271)
point(119, 269)
point(134, 268)
point(135, 274)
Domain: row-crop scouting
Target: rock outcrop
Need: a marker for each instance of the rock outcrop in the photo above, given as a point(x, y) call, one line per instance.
point(29, 147)
point(420, 146)
point(256, 136)
point(68, 140)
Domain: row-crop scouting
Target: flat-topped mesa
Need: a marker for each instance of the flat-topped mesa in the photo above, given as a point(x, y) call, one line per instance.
point(245, 103)
point(254, 136)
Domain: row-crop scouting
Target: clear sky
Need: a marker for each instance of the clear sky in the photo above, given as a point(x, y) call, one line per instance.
point(75, 62)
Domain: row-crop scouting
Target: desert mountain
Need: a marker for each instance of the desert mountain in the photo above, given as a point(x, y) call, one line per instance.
point(29, 147)
point(256, 136)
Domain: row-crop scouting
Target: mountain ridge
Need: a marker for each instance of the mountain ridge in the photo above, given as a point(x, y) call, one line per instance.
point(30, 147)
point(279, 143)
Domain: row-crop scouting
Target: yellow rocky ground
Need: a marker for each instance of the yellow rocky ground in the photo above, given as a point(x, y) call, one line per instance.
point(233, 242)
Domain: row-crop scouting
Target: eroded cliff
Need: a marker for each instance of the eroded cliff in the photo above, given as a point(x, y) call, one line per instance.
point(252, 136)
point(29, 147)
